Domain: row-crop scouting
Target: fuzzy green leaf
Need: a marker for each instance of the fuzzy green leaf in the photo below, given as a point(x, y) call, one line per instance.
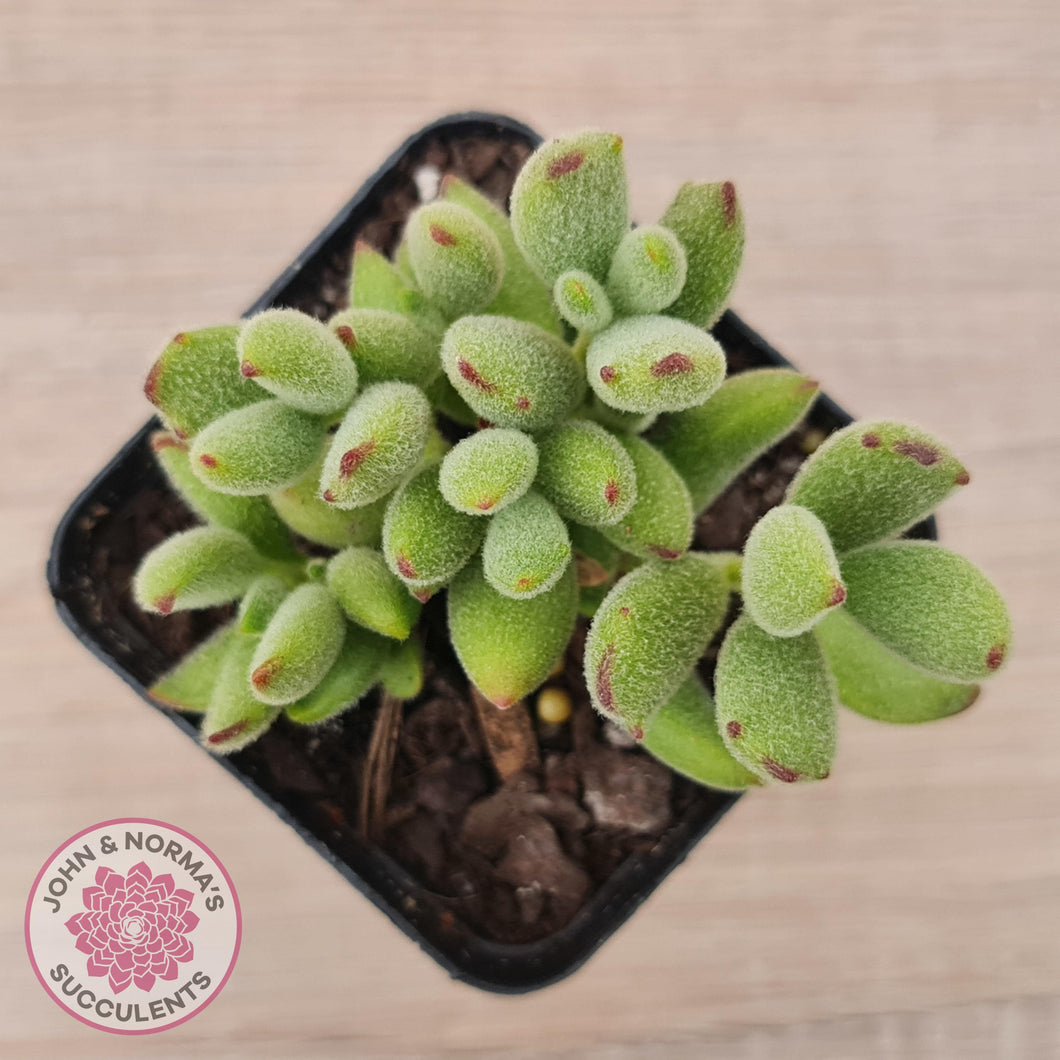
point(932, 607)
point(260, 602)
point(385, 345)
point(425, 539)
point(570, 205)
point(582, 301)
point(457, 260)
point(234, 717)
point(522, 293)
point(196, 380)
point(189, 685)
point(353, 673)
point(299, 646)
point(253, 517)
point(370, 594)
point(587, 474)
point(684, 734)
point(654, 364)
point(648, 633)
point(647, 271)
point(875, 682)
point(776, 705)
point(257, 449)
point(708, 221)
point(512, 374)
point(527, 548)
point(873, 480)
point(301, 508)
point(375, 283)
point(509, 647)
point(378, 443)
point(298, 359)
point(487, 471)
point(712, 443)
point(790, 573)
point(660, 521)
point(402, 671)
point(201, 567)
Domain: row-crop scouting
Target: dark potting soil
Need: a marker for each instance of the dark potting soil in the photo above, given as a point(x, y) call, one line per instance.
point(510, 861)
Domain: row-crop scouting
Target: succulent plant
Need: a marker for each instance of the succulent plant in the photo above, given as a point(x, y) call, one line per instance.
point(529, 413)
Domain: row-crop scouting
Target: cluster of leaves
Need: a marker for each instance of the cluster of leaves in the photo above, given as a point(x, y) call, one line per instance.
point(530, 413)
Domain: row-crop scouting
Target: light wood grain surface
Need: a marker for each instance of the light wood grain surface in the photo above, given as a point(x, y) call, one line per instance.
point(899, 165)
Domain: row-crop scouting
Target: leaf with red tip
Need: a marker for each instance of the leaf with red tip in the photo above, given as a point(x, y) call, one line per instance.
point(385, 345)
point(527, 548)
point(708, 222)
point(202, 567)
point(196, 379)
point(509, 647)
point(234, 717)
point(648, 633)
point(776, 706)
point(873, 480)
point(790, 577)
point(587, 474)
point(930, 606)
point(485, 472)
point(189, 685)
point(370, 594)
point(298, 359)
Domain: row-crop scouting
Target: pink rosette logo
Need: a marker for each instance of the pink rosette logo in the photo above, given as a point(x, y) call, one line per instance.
point(133, 926)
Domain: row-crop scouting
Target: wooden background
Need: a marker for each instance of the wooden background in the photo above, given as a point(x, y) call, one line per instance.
point(898, 164)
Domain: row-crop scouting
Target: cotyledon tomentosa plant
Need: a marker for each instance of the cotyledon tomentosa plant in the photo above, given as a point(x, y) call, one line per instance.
point(530, 414)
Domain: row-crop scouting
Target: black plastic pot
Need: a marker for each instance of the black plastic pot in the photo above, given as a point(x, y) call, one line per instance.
point(79, 559)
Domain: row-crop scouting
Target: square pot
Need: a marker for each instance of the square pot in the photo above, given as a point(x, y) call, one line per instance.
point(88, 576)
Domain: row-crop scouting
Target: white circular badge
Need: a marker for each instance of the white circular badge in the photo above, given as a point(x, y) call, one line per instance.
point(133, 926)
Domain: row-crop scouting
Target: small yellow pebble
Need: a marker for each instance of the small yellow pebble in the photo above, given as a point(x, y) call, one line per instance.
point(553, 706)
point(812, 440)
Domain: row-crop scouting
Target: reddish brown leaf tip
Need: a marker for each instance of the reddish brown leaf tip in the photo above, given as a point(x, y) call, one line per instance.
point(672, 364)
point(423, 595)
point(522, 402)
point(208, 460)
point(923, 454)
point(484, 424)
point(151, 382)
point(262, 677)
point(839, 594)
point(734, 729)
point(469, 372)
point(346, 336)
point(728, 202)
point(664, 553)
point(607, 373)
point(353, 458)
point(612, 493)
point(637, 732)
point(995, 657)
point(963, 478)
point(228, 733)
point(782, 773)
point(807, 386)
point(329, 496)
point(870, 441)
point(503, 701)
point(180, 339)
point(624, 612)
point(524, 584)
point(247, 369)
point(485, 503)
point(442, 236)
point(164, 604)
point(567, 163)
point(604, 672)
point(405, 567)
